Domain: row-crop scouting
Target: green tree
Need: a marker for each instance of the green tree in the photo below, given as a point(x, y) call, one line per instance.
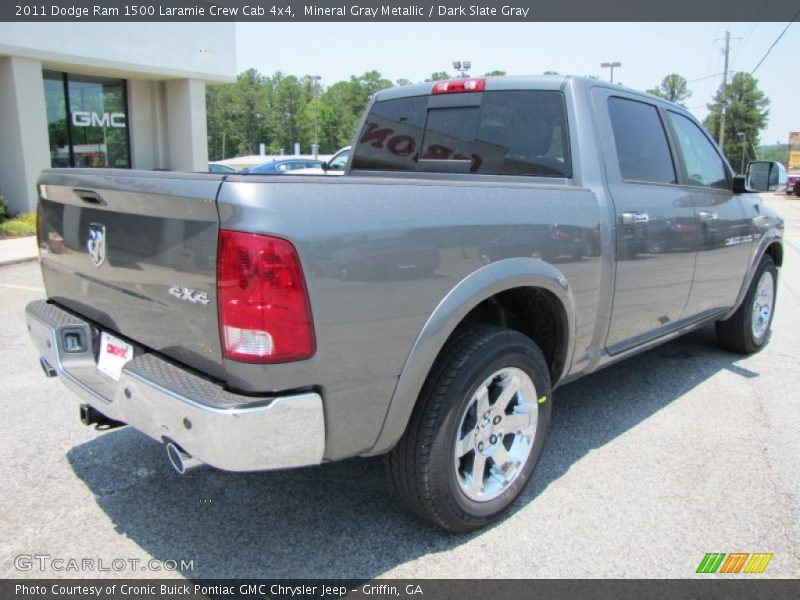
point(674, 88)
point(403, 81)
point(439, 76)
point(493, 73)
point(236, 115)
point(777, 152)
point(746, 113)
point(290, 96)
point(344, 103)
point(279, 110)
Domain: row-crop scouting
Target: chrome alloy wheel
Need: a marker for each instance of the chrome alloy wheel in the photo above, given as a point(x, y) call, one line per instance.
point(495, 434)
point(763, 305)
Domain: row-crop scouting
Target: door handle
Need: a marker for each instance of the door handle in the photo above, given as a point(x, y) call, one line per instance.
point(635, 218)
point(707, 217)
point(90, 197)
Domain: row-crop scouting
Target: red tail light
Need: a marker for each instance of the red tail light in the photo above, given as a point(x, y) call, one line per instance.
point(459, 85)
point(264, 313)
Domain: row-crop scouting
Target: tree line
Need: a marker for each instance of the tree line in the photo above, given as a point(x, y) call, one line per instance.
point(746, 113)
point(279, 110)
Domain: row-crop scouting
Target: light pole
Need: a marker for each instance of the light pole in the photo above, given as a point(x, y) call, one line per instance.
point(462, 67)
point(315, 79)
point(612, 66)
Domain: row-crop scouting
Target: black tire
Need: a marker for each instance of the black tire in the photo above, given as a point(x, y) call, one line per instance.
point(422, 467)
point(736, 333)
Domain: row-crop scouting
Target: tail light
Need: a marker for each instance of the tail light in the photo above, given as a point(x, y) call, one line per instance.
point(459, 85)
point(264, 313)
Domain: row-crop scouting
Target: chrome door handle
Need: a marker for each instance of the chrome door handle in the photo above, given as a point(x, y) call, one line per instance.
point(705, 216)
point(635, 218)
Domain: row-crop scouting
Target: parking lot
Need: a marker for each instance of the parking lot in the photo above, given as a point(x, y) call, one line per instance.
point(651, 463)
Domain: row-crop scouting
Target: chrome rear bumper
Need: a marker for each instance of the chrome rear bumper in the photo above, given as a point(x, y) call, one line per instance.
point(169, 403)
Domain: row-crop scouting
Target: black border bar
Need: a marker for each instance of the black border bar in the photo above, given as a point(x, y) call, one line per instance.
point(399, 10)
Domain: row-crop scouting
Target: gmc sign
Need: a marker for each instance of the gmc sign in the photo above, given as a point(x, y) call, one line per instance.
point(84, 118)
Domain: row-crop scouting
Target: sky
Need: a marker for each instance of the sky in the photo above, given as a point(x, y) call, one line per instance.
point(647, 51)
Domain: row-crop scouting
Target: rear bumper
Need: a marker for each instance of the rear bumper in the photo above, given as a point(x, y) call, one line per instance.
point(168, 403)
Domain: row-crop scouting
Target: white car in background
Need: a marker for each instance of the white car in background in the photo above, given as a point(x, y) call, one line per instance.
point(334, 166)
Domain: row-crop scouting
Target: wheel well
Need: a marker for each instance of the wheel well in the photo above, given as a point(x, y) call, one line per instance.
point(775, 250)
point(534, 312)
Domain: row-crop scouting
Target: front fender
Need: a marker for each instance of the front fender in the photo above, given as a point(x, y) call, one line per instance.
point(470, 292)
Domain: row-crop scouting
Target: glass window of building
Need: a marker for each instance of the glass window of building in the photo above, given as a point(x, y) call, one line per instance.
point(87, 121)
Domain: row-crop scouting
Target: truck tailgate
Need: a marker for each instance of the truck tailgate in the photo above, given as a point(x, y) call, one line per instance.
point(136, 253)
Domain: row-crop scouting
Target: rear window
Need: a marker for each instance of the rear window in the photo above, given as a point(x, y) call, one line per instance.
point(509, 133)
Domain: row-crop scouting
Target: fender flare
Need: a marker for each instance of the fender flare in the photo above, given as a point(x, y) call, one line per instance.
point(767, 239)
point(467, 294)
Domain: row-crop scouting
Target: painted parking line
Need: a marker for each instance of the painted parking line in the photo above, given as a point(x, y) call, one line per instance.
point(28, 288)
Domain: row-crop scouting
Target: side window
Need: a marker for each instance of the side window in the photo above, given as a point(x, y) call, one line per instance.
point(641, 142)
point(704, 166)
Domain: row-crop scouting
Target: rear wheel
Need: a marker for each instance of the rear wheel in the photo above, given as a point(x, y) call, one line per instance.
point(747, 330)
point(478, 430)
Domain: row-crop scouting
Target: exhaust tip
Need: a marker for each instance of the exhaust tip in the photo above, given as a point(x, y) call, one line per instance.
point(180, 460)
point(175, 458)
point(48, 369)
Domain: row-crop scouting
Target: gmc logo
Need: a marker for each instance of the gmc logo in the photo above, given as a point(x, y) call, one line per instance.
point(84, 118)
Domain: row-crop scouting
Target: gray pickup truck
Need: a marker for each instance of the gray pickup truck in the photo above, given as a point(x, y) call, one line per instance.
point(491, 240)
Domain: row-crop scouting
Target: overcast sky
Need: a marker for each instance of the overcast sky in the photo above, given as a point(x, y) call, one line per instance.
point(647, 51)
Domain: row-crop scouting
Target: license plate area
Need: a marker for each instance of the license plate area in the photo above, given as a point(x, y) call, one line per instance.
point(112, 355)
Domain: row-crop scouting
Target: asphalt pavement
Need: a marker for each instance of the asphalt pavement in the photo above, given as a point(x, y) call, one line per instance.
point(651, 463)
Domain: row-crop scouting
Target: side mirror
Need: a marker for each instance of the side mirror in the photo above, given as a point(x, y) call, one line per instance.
point(325, 166)
point(762, 176)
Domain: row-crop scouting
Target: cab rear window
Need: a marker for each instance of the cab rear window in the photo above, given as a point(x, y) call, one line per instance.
point(507, 133)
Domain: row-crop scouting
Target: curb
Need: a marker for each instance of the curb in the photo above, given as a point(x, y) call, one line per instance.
point(17, 261)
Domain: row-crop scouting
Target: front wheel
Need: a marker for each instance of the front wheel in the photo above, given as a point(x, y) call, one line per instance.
point(477, 432)
point(747, 330)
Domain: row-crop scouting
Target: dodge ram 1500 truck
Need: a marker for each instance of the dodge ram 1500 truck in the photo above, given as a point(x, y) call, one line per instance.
point(491, 240)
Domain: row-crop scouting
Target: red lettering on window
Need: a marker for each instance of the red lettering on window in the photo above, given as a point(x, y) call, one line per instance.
point(401, 145)
point(373, 134)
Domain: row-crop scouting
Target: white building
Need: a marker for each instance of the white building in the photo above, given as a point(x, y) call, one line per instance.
point(128, 95)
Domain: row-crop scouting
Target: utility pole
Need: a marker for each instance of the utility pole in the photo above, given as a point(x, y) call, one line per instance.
point(724, 86)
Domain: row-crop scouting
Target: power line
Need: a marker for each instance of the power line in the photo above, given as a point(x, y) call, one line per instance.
point(704, 77)
point(778, 39)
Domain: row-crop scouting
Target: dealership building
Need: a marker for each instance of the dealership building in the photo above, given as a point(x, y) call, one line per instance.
point(124, 95)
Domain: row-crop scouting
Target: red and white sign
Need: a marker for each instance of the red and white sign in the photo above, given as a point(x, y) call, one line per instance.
point(114, 353)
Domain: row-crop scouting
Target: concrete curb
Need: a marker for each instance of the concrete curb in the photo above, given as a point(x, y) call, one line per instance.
point(17, 250)
point(17, 261)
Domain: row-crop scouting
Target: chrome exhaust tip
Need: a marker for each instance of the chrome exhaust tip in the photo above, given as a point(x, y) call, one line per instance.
point(180, 460)
point(48, 369)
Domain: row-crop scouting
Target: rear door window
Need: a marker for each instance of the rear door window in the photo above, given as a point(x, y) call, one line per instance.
point(508, 133)
point(641, 142)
